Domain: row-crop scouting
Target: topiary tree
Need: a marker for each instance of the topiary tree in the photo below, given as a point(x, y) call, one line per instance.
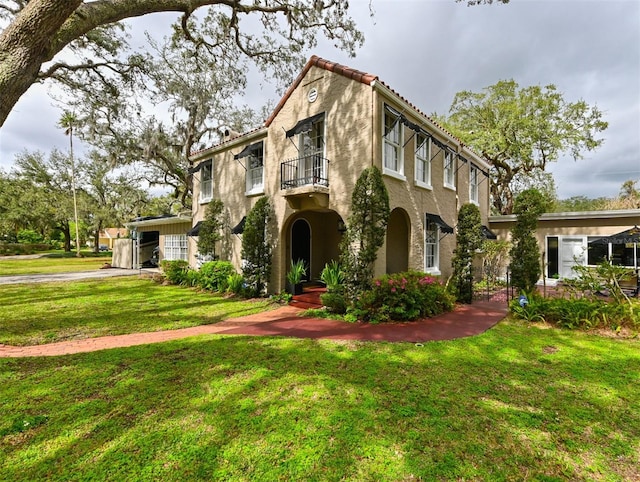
point(366, 229)
point(525, 254)
point(468, 241)
point(256, 246)
point(210, 228)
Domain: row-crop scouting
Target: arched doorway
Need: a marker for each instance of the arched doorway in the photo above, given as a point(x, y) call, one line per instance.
point(301, 244)
point(398, 241)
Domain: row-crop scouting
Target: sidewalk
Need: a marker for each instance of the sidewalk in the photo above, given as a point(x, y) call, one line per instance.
point(464, 321)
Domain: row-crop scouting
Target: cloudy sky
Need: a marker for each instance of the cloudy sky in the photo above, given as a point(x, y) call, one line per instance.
point(427, 50)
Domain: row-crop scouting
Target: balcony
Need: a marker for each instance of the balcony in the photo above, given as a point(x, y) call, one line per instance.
point(306, 182)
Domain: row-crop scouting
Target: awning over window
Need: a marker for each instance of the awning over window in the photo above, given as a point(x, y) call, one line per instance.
point(195, 231)
point(444, 227)
point(239, 228)
point(487, 233)
point(248, 150)
point(304, 125)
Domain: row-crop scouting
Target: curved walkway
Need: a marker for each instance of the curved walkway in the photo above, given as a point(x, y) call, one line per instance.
point(465, 320)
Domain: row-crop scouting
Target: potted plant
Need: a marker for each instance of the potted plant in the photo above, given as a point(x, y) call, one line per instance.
point(294, 276)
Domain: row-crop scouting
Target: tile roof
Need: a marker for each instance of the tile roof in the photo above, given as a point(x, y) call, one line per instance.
point(334, 67)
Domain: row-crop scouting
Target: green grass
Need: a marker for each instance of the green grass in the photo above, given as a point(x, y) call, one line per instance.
point(55, 262)
point(38, 313)
point(516, 403)
point(520, 402)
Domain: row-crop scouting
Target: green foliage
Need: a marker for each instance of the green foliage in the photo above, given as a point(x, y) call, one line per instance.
point(257, 246)
point(468, 241)
point(402, 297)
point(210, 229)
point(579, 313)
point(235, 283)
point(297, 270)
point(525, 255)
point(175, 272)
point(29, 236)
point(366, 229)
point(520, 130)
point(493, 255)
point(332, 276)
point(334, 301)
point(604, 277)
point(213, 275)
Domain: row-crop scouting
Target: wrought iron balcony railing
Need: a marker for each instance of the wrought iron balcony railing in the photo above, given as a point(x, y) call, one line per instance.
point(304, 171)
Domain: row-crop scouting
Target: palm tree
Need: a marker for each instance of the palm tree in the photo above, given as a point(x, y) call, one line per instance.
point(67, 122)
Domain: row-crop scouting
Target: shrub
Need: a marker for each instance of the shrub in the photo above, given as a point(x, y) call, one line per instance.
point(29, 236)
point(332, 276)
point(334, 301)
point(175, 272)
point(402, 297)
point(235, 283)
point(214, 275)
point(580, 313)
point(257, 246)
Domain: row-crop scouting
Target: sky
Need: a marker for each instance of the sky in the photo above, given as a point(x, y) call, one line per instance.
point(428, 50)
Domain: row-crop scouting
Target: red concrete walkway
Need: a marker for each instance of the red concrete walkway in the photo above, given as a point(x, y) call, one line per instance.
point(465, 320)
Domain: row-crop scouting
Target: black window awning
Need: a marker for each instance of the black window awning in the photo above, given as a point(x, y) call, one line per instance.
point(444, 227)
point(239, 228)
point(305, 125)
point(195, 231)
point(487, 233)
point(249, 150)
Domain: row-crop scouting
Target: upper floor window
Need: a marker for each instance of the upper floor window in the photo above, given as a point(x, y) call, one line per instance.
point(423, 161)
point(449, 169)
point(206, 181)
point(474, 195)
point(392, 142)
point(255, 170)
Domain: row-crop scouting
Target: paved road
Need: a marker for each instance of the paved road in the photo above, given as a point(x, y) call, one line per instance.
point(75, 276)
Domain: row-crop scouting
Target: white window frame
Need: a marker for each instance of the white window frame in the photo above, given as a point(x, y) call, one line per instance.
point(474, 185)
point(392, 143)
point(449, 169)
point(423, 161)
point(431, 243)
point(206, 183)
point(176, 247)
point(256, 173)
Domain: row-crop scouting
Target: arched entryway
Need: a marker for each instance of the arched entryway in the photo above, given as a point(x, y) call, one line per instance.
point(398, 241)
point(301, 244)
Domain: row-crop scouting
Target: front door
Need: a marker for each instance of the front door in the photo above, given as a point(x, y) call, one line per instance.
point(301, 244)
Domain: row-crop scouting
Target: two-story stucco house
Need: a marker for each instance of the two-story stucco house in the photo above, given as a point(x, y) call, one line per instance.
point(332, 123)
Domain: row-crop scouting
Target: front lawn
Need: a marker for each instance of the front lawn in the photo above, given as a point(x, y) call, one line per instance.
point(516, 403)
point(38, 313)
point(54, 262)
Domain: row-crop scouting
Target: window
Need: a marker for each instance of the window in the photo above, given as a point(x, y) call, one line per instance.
point(206, 181)
point(474, 196)
point(431, 242)
point(312, 161)
point(392, 142)
point(175, 247)
point(449, 170)
point(255, 171)
point(423, 161)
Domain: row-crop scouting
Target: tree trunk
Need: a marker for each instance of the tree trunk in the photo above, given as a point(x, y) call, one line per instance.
point(66, 231)
point(25, 45)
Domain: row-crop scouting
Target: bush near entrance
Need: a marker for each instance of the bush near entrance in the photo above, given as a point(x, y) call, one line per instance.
point(406, 296)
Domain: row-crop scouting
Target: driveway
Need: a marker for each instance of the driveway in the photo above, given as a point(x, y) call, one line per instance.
point(75, 276)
